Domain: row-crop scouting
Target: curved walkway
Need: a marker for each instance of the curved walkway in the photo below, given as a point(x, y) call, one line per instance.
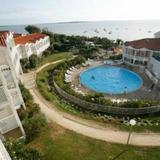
point(85, 127)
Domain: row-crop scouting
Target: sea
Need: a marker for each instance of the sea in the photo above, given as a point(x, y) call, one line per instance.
point(125, 30)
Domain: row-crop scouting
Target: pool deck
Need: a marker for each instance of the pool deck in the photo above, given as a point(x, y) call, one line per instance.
point(144, 92)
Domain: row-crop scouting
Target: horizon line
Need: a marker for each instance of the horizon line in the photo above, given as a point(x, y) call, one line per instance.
point(80, 21)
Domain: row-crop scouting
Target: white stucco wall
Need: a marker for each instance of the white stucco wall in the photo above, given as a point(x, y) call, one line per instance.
point(34, 48)
point(155, 66)
point(3, 55)
point(157, 35)
point(3, 152)
point(7, 124)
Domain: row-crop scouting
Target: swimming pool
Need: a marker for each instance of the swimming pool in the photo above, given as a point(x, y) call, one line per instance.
point(111, 80)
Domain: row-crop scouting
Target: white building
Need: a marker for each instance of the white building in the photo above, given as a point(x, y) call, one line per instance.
point(157, 35)
point(3, 152)
point(154, 64)
point(14, 47)
point(138, 52)
point(146, 53)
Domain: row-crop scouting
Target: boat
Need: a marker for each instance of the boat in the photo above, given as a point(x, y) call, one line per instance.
point(96, 30)
point(110, 32)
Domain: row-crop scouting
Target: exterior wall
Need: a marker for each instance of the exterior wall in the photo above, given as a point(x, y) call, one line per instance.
point(3, 53)
point(10, 100)
point(11, 55)
point(154, 67)
point(42, 45)
point(34, 48)
point(136, 56)
point(3, 152)
point(157, 35)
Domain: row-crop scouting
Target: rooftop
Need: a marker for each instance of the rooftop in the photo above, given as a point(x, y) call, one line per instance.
point(31, 38)
point(149, 43)
point(3, 35)
point(19, 38)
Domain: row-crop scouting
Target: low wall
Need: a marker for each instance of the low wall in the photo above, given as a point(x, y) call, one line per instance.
point(105, 109)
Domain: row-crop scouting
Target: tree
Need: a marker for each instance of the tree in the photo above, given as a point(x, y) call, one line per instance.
point(33, 60)
point(25, 64)
point(32, 29)
point(118, 42)
point(18, 150)
point(89, 52)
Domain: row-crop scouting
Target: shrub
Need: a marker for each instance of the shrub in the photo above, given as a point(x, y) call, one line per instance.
point(18, 151)
point(34, 125)
point(27, 97)
point(33, 121)
point(25, 64)
point(33, 60)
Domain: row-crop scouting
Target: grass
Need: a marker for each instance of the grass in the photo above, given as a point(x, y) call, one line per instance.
point(42, 85)
point(58, 143)
point(55, 57)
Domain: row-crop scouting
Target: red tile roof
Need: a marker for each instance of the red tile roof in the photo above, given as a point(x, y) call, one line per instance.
point(15, 35)
point(2, 41)
point(149, 43)
point(31, 38)
point(3, 35)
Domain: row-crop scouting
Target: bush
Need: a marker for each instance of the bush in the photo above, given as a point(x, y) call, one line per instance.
point(29, 63)
point(33, 121)
point(27, 97)
point(18, 151)
point(25, 64)
point(34, 125)
point(33, 60)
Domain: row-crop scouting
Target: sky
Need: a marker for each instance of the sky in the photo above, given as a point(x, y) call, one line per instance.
point(13, 12)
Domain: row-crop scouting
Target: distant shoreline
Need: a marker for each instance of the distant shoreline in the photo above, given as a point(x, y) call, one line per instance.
point(79, 22)
point(126, 30)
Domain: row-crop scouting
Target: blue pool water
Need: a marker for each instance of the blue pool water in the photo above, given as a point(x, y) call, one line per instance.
point(111, 80)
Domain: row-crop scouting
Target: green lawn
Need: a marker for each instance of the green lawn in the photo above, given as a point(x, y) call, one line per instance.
point(55, 57)
point(58, 143)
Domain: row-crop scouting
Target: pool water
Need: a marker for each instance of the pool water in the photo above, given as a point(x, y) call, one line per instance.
point(111, 80)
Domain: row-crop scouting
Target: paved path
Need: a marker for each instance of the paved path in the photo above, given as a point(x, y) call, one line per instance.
point(85, 127)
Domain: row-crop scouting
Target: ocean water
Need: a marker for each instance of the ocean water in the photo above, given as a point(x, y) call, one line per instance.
point(126, 30)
